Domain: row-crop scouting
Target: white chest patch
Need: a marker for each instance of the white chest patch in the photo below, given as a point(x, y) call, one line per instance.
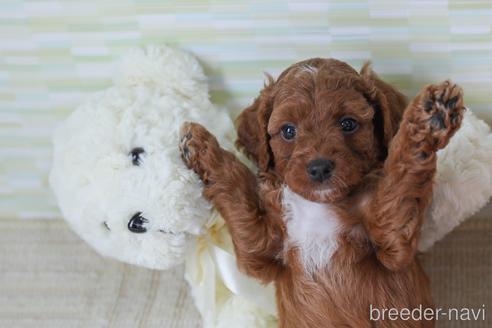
point(311, 227)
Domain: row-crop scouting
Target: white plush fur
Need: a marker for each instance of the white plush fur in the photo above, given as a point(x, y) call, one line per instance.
point(93, 177)
point(312, 227)
point(463, 183)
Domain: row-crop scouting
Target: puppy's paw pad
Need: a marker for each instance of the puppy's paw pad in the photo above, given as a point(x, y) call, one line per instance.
point(186, 151)
point(197, 146)
point(444, 109)
point(186, 146)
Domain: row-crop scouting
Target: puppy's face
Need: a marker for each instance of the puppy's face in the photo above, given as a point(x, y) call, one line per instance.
point(324, 129)
point(323, 142)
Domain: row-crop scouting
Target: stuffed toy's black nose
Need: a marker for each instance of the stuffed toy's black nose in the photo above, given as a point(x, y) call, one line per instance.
point(137, 223)
point(320, 169)
point(136, 155)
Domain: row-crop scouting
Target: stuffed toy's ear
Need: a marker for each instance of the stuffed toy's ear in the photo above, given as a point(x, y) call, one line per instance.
point(169, 69)
point(389, 104)
point(251, 126)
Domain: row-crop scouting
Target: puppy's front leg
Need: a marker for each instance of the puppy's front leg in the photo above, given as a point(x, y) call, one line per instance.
point(405, 190)
point(233, 189)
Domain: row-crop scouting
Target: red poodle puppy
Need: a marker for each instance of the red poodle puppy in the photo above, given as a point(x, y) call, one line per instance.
point(345, 176)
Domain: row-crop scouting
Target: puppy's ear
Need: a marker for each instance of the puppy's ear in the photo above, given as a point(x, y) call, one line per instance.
point(388, 103)
point(252, 123)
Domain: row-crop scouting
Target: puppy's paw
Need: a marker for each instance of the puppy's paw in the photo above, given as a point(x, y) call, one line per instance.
point(438, 111)
point(200, 150)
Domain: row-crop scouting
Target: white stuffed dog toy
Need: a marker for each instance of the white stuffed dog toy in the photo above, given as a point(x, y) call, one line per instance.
point(117, 172)
point(120, 183)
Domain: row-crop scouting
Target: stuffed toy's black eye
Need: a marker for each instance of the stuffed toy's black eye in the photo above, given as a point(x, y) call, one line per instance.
point(136, 155)
point(137, 222)
point(106, 226)
point(288, 131)
point(348, 125)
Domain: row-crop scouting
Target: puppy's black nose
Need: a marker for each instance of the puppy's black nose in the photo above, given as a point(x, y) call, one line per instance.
point(320, 169)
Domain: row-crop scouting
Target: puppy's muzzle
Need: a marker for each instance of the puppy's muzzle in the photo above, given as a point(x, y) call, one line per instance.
point(320, 169)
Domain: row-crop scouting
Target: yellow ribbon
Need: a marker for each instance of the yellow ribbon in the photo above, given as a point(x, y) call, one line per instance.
point(212, 273)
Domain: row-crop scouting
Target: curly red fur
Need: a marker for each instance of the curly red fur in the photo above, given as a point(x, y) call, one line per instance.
point(374, 200)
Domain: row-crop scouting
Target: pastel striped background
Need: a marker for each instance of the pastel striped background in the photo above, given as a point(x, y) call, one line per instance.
point(54, 53)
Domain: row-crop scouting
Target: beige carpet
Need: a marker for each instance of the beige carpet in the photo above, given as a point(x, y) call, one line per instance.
point(49, 278)
point(460, 268)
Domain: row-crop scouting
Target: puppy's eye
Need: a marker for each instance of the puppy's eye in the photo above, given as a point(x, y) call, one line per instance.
point(348, 125)
point(288, 131)
point(136, 155)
